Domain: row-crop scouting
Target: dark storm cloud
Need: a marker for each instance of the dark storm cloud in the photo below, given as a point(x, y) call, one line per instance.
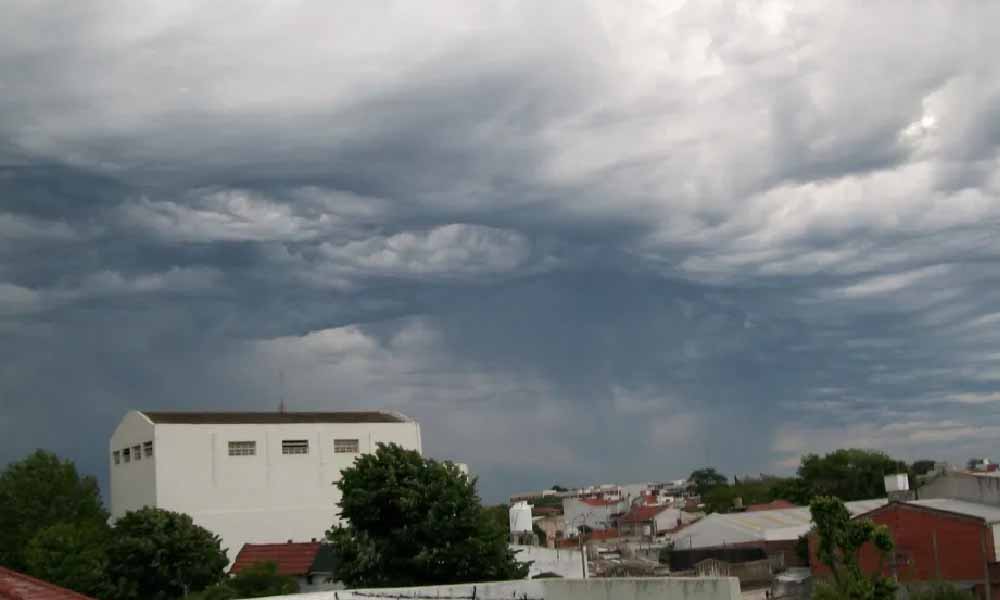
point(577, 241)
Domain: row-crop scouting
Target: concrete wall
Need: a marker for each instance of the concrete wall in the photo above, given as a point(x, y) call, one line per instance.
point(576, 512)
point(658, 588)
point(133, 484)
point(961, 486)
point(565, 562)
point(266, 497)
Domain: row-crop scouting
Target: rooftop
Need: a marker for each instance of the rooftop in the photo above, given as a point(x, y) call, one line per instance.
point(773, 505)
point(274, 418)
point(642, 513)
point(18, 586)
point(292, 558)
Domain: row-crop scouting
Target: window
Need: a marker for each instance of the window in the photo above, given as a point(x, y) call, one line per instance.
point(147, 449)
point(136, 453)
point(295, 446)
point(118, 457)
point(126, 455)
point(345, 446)
point(242, 448)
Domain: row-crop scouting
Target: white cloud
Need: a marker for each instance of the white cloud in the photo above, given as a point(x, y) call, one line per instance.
point(15, 300)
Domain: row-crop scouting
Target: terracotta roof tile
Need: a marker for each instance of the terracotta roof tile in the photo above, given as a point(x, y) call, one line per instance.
point(643, 513)
point(774, 505)
point(292, 558)
point(18, 586)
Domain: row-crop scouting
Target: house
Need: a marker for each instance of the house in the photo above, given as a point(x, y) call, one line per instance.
point(597, 512)
point(650, 520)
point(312, 564)
point(774, 531)
point(18, 586)
point(936, 540)
point(248, 477)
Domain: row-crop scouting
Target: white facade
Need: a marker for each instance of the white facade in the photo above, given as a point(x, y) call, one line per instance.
point(248, 477)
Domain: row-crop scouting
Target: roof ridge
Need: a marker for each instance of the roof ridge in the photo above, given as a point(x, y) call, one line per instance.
point(34, 580)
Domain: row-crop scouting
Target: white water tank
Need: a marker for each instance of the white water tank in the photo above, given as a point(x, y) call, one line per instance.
point(897, 482)
point(520, 518)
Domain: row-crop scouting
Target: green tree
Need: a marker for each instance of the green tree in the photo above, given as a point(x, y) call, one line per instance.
point(256, 581)
point(840, 540)
point(415, 521)
point(72, 555)
point(705, 479)
point(849, 474)
point(40, 491)
point(156, 554)
point(500, 515)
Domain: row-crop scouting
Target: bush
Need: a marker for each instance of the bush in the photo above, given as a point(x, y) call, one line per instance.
point(938, 591)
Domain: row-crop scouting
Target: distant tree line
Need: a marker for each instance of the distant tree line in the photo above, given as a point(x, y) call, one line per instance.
point(846, 474)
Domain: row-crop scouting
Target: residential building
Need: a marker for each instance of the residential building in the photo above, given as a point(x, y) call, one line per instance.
point(248, 477)
point(18, 586)
point(592, 512)
point(650, 520)
point(936, 540)
point(312, 564)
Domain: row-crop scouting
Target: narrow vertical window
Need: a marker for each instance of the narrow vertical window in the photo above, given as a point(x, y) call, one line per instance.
point(126, 455)
point(147, 449)
point(136, 452)
point(118, 456)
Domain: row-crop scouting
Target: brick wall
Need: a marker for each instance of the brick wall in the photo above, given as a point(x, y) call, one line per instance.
point(959, 555)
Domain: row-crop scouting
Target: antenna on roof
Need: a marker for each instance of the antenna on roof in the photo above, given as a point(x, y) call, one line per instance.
point(281, 383)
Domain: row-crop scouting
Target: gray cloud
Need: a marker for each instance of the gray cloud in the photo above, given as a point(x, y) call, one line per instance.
point(577, 240)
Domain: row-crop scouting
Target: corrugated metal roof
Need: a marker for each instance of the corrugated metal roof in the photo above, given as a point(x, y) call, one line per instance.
point(991, 514)
point(772, 525)
point(273, 418)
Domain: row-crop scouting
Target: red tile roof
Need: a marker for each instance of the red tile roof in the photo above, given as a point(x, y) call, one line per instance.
point(643, 513)
point(774, 505)
point(292, 558)
point(18, 586)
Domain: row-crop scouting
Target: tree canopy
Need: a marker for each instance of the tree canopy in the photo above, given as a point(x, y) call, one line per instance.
point(72, 555)
point(704, 479)
point(38, 492)
point(415, 521)
point(259, 580)
point(156, 554)
point(849, 474)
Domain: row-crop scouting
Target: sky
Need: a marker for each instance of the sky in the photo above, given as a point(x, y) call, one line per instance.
point(578, 241)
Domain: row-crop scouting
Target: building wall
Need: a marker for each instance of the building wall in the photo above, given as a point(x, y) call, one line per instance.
point(133, 484)
point(576, 512)
point(960, 540)
point(961, 486)
point(657, 588)
point(563, 562)
point(267, 497)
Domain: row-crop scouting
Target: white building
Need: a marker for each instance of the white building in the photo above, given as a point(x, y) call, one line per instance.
point(248, 477)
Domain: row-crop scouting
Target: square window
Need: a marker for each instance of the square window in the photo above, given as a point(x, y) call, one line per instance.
point(118, 456)
point(242, 448)
point(136, 453)
point(147, 449)
point(345, 446)
point(295, 446)
point(126, 455)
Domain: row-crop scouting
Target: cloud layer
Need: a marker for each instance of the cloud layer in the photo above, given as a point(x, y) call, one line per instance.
point(579, 241)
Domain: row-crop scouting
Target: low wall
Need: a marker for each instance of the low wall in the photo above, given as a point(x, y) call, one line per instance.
point(655, 588)
point(562, 562)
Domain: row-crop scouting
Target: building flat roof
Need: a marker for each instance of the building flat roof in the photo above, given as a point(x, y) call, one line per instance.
point(990, 514)
point(274, 418)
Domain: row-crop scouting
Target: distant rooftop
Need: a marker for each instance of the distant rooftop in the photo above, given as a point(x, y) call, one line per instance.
point(18, 586)
point(274, 418)
point(296, 559)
